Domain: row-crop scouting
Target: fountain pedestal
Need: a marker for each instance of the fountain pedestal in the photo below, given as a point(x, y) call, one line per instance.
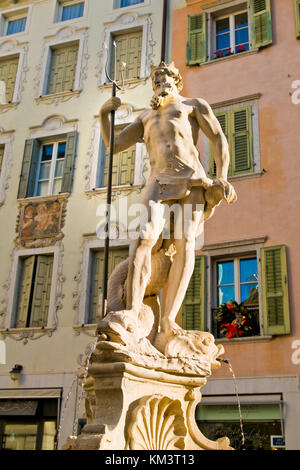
point(133, 408)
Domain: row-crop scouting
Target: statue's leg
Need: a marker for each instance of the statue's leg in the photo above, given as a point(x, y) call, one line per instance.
point(184, 260)
point(139, 270)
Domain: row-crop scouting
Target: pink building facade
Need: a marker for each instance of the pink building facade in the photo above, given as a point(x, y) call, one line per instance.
point(243, 58)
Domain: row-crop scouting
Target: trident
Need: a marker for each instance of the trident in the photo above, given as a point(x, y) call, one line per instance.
point(110, 167)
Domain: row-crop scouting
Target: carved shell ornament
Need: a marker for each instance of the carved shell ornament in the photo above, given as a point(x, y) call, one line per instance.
point(157, 423)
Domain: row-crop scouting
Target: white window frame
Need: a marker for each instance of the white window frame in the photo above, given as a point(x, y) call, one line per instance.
point(15, 286)
point(116, 5)
point(125, 23)
point(90, 246)
point(251, 100)
point(6, 139)
point(236, 249)
point(124, 116)
point(232, 30)
point(14, 14)
point(54, 160)
point(58, 8)
point(64, 36)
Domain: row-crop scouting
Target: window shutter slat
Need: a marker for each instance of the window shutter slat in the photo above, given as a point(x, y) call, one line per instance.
point(297, 17)
point(29, 168)
point(223, 119)
point(129, 51)
point(62, 69)
point(276, 316)
point(69, 162)
point(25, 290)
point(197, 42)
point(193, 307)
point(123, 166)
point(41, 293)
point(261, 23)
point(241, 151)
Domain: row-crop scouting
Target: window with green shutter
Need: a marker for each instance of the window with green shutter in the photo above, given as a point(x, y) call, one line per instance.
point(62, 70)
point(34, 292)
point(193, 307)
point(129, 52)
point(116, 256)
point(261, 23)
point(297, 17)
point(48, 167)
point(197, 40)
point(8, 74)
point(275, 295)
point(123, 166)
point(237, 127)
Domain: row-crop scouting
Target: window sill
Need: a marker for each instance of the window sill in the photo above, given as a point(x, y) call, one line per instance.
point(115, 190)
point(229, 57)
point(248, 339)
point(7, 106)
point(26, 334)
point(254, 174)
point(88, 329)
point(57, 97)
point(130, 83)
point(50, 197)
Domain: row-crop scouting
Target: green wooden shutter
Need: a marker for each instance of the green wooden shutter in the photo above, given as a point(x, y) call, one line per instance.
point(69, 162)
point(41, 293)
point(224, 120)
point(197, 43)
point(25, 291)
point(193, 307)
point(1, 156)
point(8, 73)
point(297, 17)
point(29, 168)
point(129, 51)
point(241, 146)
point(123, 166)
point(62, 69)
point(96, 284)
point(276, 316)
point(261, 23)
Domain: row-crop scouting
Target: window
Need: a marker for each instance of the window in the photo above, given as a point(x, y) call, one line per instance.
point(8, 73)
point(116, 256)
point(297, 17)
point(70, 10)
point(48, 167)
point(219, 34)
point(123, 166)
point(257, 280)
point(127, 3)
point(129, 52)
point(33, 298)
point(62, 70)
point(260, 422)
point(50, 171)
point(237, 127)
point(231, 35)
point(34, 428)
point(16, 26)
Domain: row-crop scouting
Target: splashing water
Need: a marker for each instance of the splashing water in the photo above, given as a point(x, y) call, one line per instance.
point(226, 361)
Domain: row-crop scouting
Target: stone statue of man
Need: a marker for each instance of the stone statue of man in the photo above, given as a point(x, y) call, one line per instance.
point(170, 132)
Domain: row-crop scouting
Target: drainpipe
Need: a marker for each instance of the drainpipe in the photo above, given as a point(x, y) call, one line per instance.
point(164, 31)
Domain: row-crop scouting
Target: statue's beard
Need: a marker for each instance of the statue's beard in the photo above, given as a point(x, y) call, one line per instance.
point(159, 99)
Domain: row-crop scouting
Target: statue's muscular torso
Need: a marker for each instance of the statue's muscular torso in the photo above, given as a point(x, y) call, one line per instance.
point(170, 134)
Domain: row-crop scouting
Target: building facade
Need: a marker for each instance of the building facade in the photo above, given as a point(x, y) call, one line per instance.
point(53, 65)
point(242, 57)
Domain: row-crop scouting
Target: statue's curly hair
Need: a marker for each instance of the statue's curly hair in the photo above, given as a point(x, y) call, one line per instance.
point(173, 71)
